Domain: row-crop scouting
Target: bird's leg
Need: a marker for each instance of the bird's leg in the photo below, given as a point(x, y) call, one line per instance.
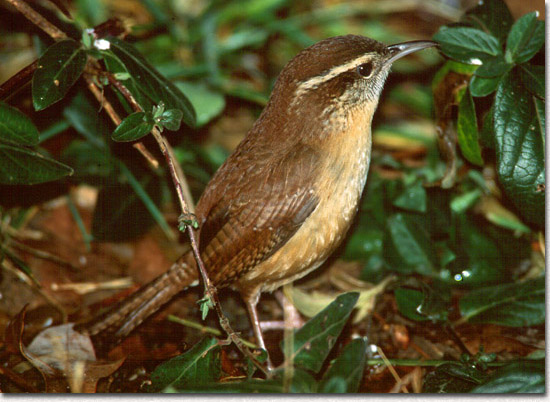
point(292, 315)
point(253, 313)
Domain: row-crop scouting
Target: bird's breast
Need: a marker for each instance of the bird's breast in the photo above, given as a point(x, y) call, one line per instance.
point(338, 187)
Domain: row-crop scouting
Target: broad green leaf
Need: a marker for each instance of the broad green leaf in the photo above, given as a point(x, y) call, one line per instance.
point(413, 198)
point(206, 102)
point(453, 378)
point(467, 130)
point(200, 364)
point(23, 166)
point(171, 119)
point(58, 69)
point(494, 67)
point(525, 377)
point(515, 304)
point(407, 247)
point(300, 382)
point(491, 16)
point(525, 38)
point(314, 341)
point(481, 86)
point(348, 366)
point(91, 164)
point(363, 243)
point(133, 127)
point(15, 127)
point(121, 214)
point(467, 45)
point(533, 79)
point(150, 82)
point(519, 143)
point(116, 67)
point(408, 301)
point(85, 116)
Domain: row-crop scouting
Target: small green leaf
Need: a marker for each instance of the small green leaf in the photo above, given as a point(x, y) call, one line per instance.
point(407, 247)
point(525, 38)
point(413, 198)
point(171, 119)
point(199, 365)
point(494, 67)
point(16, 128)
point(533, 79)
point(314, 341)
point(467, 130)
point(58, 69)
point(408, 301)
point(133, 127)
point(519, 143)
point(515, 304)
point(150, 82)
point(348, 367)
point(491, 16)
point(453, 377)
point(23, 166)
point(206, 102)
point(467, 45)
point(480, 86)
point(122, 214)
point(523, 377)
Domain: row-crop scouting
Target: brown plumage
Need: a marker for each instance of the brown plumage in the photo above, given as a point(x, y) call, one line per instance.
point(283, 201)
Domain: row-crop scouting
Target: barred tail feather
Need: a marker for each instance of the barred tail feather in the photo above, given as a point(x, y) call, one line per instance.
point(125, 316)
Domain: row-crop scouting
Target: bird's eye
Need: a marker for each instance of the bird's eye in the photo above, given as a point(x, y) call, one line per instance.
point(365, 69)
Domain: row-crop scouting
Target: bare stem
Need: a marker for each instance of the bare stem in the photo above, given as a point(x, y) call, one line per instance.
point(175, 173)
point(38, 20)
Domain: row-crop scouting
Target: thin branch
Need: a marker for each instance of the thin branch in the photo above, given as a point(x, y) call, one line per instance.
point(17, 81)
point(210, 289)
point(38, 19)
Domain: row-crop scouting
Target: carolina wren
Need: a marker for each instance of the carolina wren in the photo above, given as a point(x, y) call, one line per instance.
point(284, 200)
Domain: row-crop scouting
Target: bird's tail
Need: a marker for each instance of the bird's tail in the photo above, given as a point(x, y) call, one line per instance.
point(129, 313)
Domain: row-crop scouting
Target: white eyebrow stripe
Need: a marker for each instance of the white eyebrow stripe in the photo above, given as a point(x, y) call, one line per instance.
point(333, 72)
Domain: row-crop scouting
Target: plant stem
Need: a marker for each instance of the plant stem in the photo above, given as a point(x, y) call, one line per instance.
point(38, 20)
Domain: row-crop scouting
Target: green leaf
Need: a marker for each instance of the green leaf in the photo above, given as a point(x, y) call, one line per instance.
point(480, 86)
point(206, 102)
point(91, 164)
point(23, 166)
point(467, 130)
point(408, 301)
point(523, 377)
point(85, 117)
point(491, 16)
point(467, 45)
point(525, 38)
point(453, 378)
point(407, 247)
point(149, 81)
point(533, 79)
point(413, 198)
point(171, 119)
point(314, 341)
point(133, 127)
point(200, 364)
point(515, 304)
point(519, 143)
point(121, 214)
point(363, 243)
point(16, 128)
point(348, 367)
point(494, 67)
point(58, 69)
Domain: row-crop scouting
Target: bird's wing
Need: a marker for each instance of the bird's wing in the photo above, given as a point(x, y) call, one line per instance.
point(257, 214)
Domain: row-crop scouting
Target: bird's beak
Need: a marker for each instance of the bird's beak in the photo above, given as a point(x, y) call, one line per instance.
point(402, 49)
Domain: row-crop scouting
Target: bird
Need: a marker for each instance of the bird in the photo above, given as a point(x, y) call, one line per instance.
point(283, 201)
